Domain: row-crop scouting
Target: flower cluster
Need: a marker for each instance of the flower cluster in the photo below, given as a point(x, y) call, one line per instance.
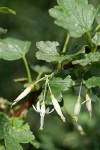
point(40, 106)
point(78, 105)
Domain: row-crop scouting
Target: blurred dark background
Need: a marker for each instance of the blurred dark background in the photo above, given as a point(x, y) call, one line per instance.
point(32, 22)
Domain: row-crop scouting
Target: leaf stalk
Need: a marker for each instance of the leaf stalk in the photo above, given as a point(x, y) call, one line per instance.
point(89, 39)
point(66, 43)
point(27, 69)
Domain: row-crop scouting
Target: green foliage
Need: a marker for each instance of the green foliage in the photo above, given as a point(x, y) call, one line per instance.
point(89, 58)
point(93, 82)
point(62, 84)
point(75, 69)
point(75, 16)
point(15, 132)
point(47, 51)
point(6, 10)
point(58, 85)
point(96, 39)
point(98, 16)
point(13, 49)
point(3, 121)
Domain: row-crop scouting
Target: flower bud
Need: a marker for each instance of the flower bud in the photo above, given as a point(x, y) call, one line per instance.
point(88, 104)
point(57, 107)
point(77, 108)
point(23, 94)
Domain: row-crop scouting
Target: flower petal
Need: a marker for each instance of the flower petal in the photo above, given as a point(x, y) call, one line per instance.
point(38, 106)
point(35, 109)
point(57, 107)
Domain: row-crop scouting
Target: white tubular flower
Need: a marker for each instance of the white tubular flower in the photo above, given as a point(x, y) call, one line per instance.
point(40, 108)
point(57, 107)
point(77, 108)
point(88, 104)
point(23, 94)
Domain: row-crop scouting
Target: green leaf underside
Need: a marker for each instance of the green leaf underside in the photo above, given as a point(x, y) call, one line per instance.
point(3, 122)
point(93, 82)
point(96, 39)
point(76, 16)
point(6, 10)
point(58, 86)
point(13, 49)
point(89, 58)
point(16, 132)
point(48, 52)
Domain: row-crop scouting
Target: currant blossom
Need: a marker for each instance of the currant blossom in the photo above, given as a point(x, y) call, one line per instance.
point(57, 107)
point(40, 108)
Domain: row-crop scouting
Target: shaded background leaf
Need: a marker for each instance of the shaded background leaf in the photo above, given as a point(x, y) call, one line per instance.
point(41, 69)
point(13, 49)
point(98, 16)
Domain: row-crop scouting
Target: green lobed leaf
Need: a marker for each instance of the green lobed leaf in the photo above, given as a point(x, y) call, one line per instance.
point(16, 132)
point(61, 84)
point(76, 16)
point(96, 39)
point(89, 58)
point(3, 122)
point(10, 143)
point(6, 10)
point(13, 49)
point(21, 132)
point(93, 82)
point(47, 51)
